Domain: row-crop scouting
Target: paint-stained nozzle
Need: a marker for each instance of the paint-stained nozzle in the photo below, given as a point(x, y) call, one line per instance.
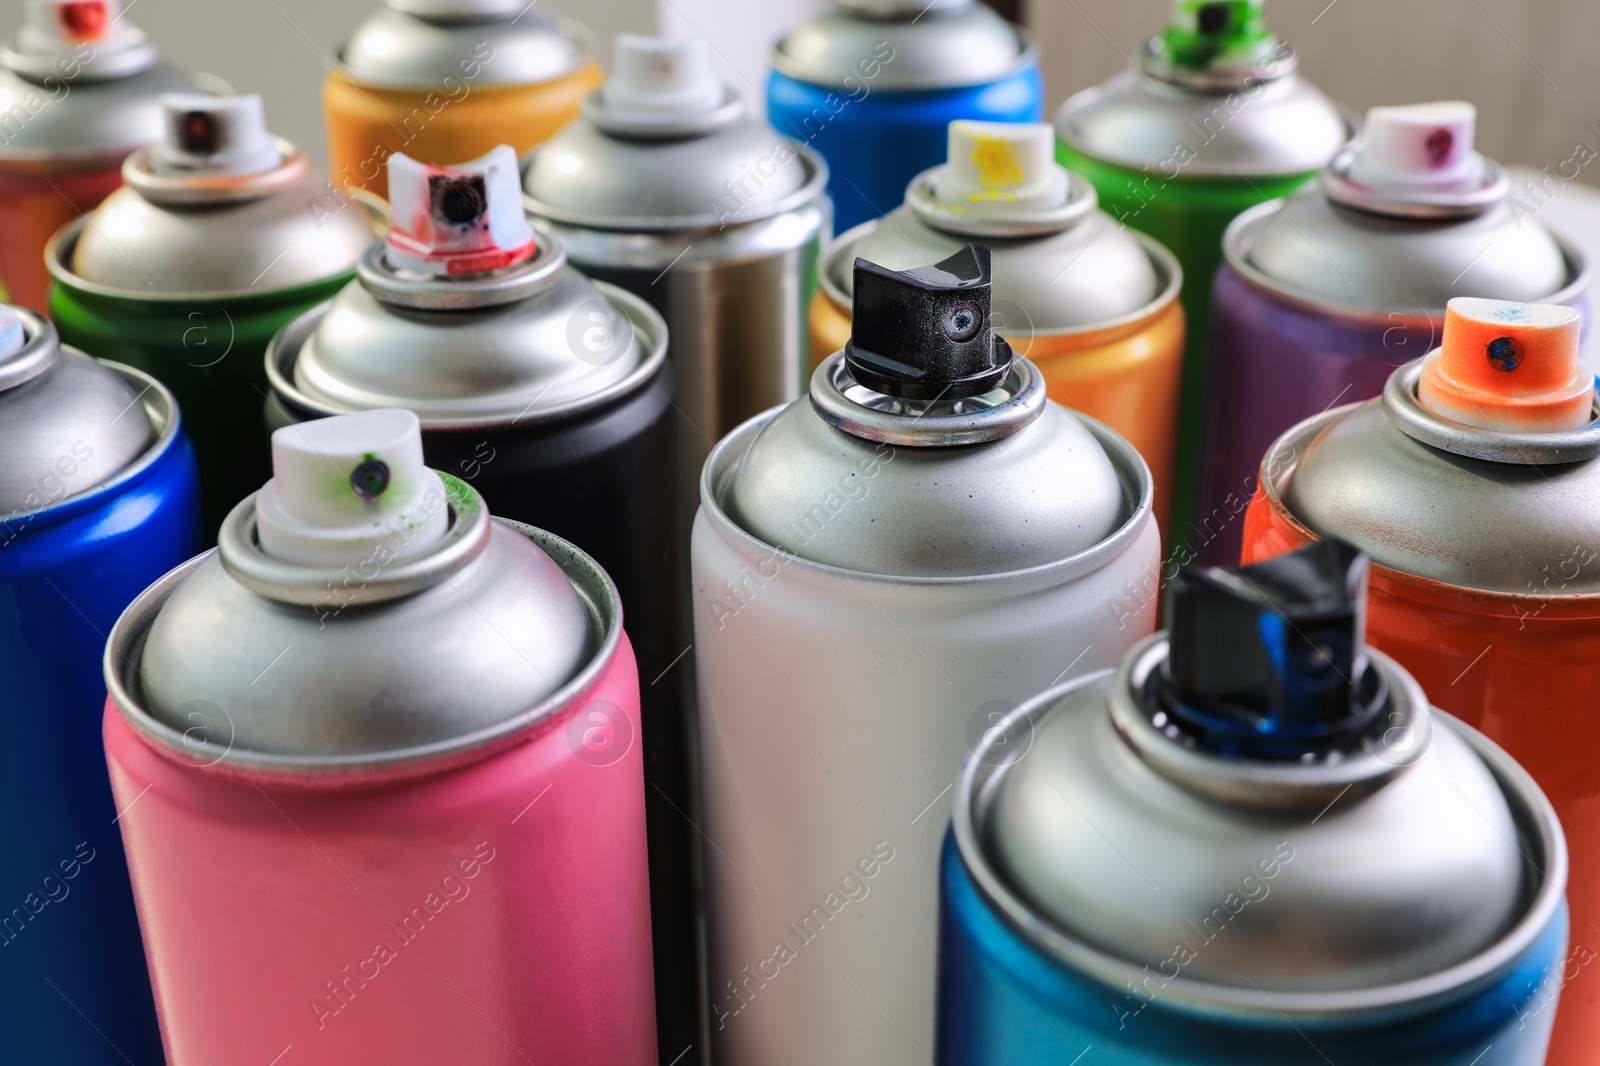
point(462, 219)
point(1267, 660)
point(662, 77)
point(1511, 367)
point(214, 136)
point(926, 334)
point(351, 490)
point(1217, 33)
point(1001, 168)
point(1418, 145)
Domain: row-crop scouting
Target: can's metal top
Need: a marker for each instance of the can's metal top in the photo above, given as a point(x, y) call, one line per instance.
point(442, 46)
point(899, 46)
point(67, 423)
point(466, 318)
point(217, 208)
point(1058, 262)
point(334, 629)
point(1508, 510)
point(924, 450)
point(1277, 125)
point(664, 146)
point(79, 83)
point(1353, 871)
point(1404, 220)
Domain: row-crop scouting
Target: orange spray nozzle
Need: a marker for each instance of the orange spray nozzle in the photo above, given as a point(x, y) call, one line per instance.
point(1508, 366)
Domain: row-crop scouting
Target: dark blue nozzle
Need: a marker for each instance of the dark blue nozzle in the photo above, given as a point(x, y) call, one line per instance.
point(1267, 661)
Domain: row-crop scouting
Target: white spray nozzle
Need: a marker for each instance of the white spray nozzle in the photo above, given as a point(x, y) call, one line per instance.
point(215, 135)
point(12, 335)
point(59, 26)
point(458, 9)
point(995, 167)
point(662, 76)
point(1418, 145)
point(350, 489)
point(462, 219)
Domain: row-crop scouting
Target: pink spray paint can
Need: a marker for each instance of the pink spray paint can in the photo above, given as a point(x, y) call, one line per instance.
point(376, 763)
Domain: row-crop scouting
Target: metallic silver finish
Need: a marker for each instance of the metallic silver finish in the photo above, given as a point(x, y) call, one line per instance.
point(923, 199)
point(523, 361)
point(1283, 126)
point(502, 637)
point(1356, 473)
point(1402, 407)
point(661, 125)
point(399, 287)
point(81, 119)
point(848, 405)
point(1322, 254)
point(589, 177)
point(1087, 272)
point(1451, 860)
point(160, 237)
point(731, 273)
point(852, 736)
point(946, 47)
point(1046, 490)
point(1413, 202)
point(398, 50)
point(68, 424)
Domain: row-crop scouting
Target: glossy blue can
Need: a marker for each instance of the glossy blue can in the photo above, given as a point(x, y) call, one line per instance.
point(873, 85)
point(82, 545)
point(1253, 843)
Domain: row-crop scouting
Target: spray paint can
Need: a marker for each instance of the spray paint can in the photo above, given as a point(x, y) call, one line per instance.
point(872, 85)
point(667, 188)
point(1252, 842)
point(1472, 483)
point(78, 90)
point(930, 539)
point(98, 497)
point(221, 235)
point(1214, 121)
point(1094, 307)
point(423, 798)
point(445, 80)
point(552, 395)
point(1325, 293)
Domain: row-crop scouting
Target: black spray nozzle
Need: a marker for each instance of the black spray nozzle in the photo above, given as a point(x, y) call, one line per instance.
point(1267, 660)
point(925, 334)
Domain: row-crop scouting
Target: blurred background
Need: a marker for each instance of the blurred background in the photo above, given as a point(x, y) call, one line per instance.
point(1527, 64)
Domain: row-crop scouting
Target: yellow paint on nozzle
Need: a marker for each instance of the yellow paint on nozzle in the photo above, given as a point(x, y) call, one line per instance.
point(1001, 163)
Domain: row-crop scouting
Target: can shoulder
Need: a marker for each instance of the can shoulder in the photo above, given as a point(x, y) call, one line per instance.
point(941, 50)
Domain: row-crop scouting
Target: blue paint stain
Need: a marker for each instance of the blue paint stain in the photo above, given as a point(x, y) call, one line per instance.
point(1505, 353)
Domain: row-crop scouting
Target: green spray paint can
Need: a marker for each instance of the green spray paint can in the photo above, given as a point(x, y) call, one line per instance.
point(1212, 120)
point(220, 236)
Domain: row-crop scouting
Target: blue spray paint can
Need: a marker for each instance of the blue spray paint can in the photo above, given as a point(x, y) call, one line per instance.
point(98, 498)
point(874, 84)
point(1251, 843)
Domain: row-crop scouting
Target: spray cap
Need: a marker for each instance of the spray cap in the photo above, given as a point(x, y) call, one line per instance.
point(925, 334)
point(666, 76)
point(462, 219)
point(349, 489)
point(896, 9)
point(214, 135)
point(448, 10)
point(1217, 33)
point(1266, 661)
point(1511, 367)
point(1002, 165)
point(1426, 145)
point(12, 335)
point(57, 27)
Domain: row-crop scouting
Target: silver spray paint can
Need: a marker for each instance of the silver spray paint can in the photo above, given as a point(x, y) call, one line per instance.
point(666, 187)
point(881, 573)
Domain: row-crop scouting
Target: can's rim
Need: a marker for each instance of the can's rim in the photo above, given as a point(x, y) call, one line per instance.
point(811, 192)
point(160, 407)
point(1278, 466)
point(1134, 474)
point(980, 783)
point(592, 585)
point(1022, 401)
point(585, 54)
point(1336, 183)
point(1081, 202)
point(58, 253)
point(1027, 57)
point(1406, 412)
point(649, 328)
point(198, 190)
point(1161, 258)
point(511, 284)
point(1240, 235)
